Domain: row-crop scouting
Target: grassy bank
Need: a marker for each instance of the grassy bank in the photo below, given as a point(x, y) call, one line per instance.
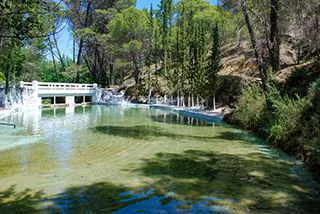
point(293, 125)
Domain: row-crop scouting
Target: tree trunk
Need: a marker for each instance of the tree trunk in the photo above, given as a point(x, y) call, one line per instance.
point(189, 100)
point(58, 51)
point(274, 35)
point(192, 99)
point(183, 101)
point(74, 50)
point(149, 95)
point(52, 56)
point(197, 99)
point(149, 84)
point(257, 53)
point(7, 77)
point(111, 68)
point(81, 40)
point(214, 101)
point(79, 52)
point(178, 99)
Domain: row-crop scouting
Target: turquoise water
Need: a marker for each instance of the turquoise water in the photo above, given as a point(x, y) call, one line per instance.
point(103, 159)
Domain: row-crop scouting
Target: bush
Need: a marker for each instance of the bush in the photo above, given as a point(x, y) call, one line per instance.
point(293, 125)
point(308, 129)
point(251, 112)
point(286, 118)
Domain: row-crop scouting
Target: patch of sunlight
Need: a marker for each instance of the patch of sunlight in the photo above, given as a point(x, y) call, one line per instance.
point(257, 174)
point(300, 189)
point(278, 197)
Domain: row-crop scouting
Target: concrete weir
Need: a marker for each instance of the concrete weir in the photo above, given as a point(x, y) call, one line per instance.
point(60, 93)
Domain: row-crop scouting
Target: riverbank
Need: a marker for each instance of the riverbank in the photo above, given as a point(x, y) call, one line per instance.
point(209, 116)
point(292, 125)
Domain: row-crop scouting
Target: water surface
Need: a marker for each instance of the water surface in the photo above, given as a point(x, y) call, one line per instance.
point(104, 159)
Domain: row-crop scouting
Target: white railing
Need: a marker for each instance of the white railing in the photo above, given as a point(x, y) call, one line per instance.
point(27, 85)
point(54, 87)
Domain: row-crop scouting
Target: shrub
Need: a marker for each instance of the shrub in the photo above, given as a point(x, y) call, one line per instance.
point(251, 112)
point(293, 125)
point(308, 129)
point(285, 118)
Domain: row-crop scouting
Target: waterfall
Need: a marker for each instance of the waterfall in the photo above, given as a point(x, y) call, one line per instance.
point(16, 98)
point(109, 96)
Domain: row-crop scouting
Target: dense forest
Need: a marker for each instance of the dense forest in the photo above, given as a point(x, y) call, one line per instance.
point(258, 57)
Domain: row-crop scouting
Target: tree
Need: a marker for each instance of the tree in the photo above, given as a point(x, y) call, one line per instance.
point(89, 21)
point(150, 52)
point(22, 24)
point(129, 30)
point(257, 51)
point(213, 81)
point(274, 35)
point(166, 13)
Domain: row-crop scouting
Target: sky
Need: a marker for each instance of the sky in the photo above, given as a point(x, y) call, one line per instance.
point(65, 36)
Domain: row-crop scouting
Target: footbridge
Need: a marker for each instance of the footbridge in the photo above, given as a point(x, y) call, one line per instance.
point(60, 93)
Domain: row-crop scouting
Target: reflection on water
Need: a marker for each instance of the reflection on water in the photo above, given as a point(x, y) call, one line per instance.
point(106, 159)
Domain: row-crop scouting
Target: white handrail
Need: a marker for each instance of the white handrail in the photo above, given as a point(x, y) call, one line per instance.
point(57, 86)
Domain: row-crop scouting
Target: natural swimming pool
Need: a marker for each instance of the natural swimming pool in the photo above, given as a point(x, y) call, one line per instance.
point(102, 159)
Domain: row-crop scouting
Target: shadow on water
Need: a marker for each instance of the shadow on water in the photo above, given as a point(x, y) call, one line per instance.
point(137, 132)
point(190, 182)
point(99, 197)
point(171, 118)
point(242, 182)
point(147, 132)
point(12, 201)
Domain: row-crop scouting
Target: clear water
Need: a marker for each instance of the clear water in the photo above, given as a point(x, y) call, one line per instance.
point(104, 159)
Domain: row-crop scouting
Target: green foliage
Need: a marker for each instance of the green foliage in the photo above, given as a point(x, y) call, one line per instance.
point(23, 26)
point(251, 112)
point(286, 117)
point(2, 77)
point(50, 73)
point(293, 125)
point(31, 64)
point(130, 24)
point(214, 65)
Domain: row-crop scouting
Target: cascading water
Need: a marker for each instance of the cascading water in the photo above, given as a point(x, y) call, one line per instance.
point(16, 98)
point(109, 96)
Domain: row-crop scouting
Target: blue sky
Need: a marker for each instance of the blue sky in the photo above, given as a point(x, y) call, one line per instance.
point(65, 37)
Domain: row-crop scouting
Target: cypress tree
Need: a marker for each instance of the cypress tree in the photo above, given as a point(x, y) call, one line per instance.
point(214, 65)
point(150, 52)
